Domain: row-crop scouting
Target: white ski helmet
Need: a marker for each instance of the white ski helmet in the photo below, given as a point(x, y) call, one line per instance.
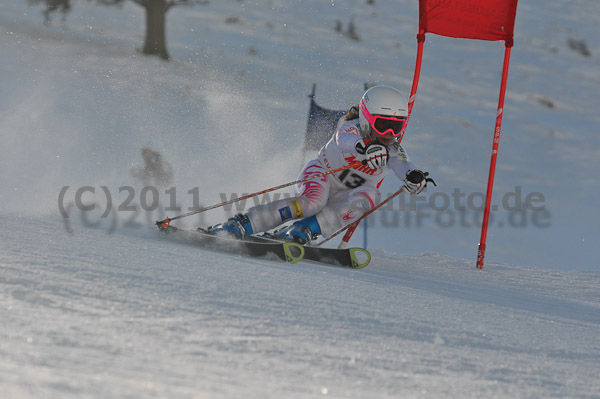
point(383, 110)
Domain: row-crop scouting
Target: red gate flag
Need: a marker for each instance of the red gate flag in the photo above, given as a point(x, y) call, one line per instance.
point(469, 19)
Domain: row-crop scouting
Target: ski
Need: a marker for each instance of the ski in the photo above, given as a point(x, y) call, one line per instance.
point(355, 258)
point(288, 251)
point(347, 257)
point(266, 245)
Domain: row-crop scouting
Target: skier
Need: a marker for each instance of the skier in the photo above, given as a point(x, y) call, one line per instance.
point(370, 132)
point(156, 171)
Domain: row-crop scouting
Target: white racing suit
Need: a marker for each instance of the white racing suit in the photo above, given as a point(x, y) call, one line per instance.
point(336, 199)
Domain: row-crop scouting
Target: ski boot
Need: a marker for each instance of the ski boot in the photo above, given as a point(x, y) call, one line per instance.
point(238, 226)
point(302, 232)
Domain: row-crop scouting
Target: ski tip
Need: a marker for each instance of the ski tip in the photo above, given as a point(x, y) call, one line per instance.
point(355, 254)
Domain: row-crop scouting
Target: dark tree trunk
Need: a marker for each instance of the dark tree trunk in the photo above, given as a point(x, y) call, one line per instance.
point(155, 42)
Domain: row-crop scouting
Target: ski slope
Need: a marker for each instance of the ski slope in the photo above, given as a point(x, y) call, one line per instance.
point(94, 315)
point(95, 307)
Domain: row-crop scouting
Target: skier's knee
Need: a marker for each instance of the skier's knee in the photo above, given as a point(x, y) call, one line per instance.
point(309, 207)
point(365, 200)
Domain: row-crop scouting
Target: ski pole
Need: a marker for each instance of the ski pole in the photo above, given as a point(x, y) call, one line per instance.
point(348, 235)
point(351, 227)
point(166, 222)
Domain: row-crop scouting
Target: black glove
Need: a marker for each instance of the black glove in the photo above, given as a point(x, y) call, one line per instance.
point(374, 153)
point(416, 181)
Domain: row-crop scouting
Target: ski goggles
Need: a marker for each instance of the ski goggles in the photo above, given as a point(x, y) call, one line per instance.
point(384, 124)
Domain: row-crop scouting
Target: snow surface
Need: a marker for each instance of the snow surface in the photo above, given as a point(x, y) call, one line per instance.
point(95, 315)
point(96, 307)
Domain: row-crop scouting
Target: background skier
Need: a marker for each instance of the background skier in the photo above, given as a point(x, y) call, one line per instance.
point(156, 170)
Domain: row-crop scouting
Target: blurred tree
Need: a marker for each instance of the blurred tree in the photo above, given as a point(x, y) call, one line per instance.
point(156, 12)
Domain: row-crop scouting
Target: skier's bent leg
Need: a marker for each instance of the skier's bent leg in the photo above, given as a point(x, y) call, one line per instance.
point(269, 216)
point(312, 197)
point(346, 207)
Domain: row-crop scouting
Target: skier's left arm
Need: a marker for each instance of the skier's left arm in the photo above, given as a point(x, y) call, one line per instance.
point(414, 179)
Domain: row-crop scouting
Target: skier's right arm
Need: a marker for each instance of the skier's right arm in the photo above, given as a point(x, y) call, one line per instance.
point(346, 136)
